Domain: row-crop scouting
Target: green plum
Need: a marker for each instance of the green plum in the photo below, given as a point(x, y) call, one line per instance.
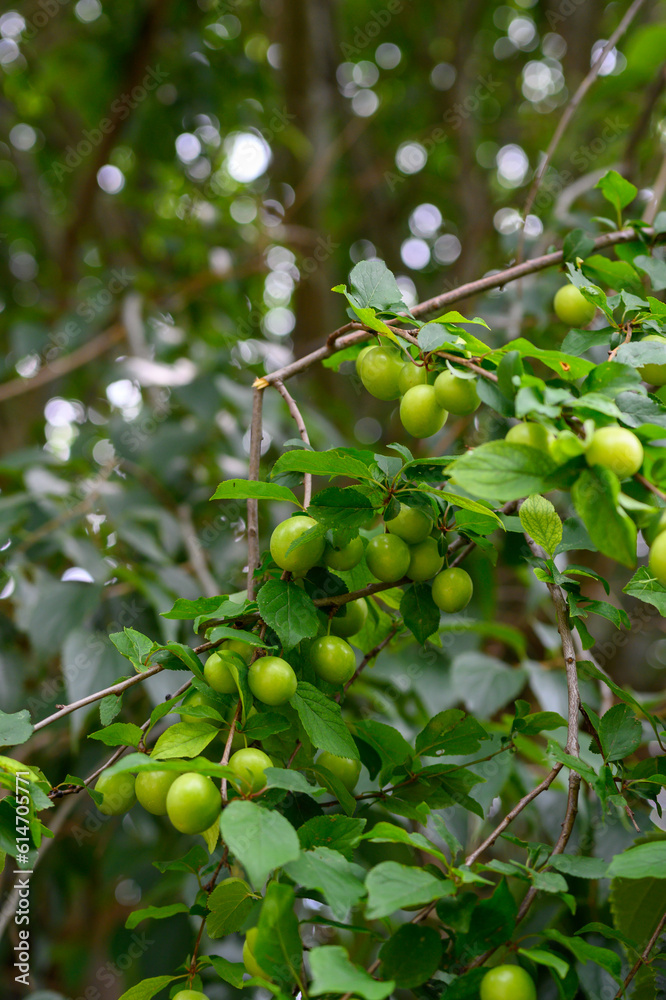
point(304, 556)
point(151, 790)
point(344, 557)
point(361, 354)
point(534, 435)
point(218, 674)
point(380, 371)
point(425, 560)
point(572, 307)
point(353, 621)
point(654, 372)
point(244, 649)
point(250, 764)
point(657, 560)
point(452, 589)
point(507, 982)
point(457, 395)
point(118, 791)
point(411, 375)
point(387, 557)
point(272, 680)
point(411, 524)
point(617, 449)
point(345, 769)
point(333, 659)
point(193, 802)
point(420, 413)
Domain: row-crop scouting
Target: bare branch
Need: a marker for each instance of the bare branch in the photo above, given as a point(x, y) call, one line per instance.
point(644, 957)
point(98, 695)
point(302, 430)
point(570, 111)
point(195, 551)
point(256, 434)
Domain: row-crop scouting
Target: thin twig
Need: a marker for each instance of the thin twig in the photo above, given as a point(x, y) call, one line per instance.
point(643, 959)
point(256, 434)
point(195, 551)
point(658, 190)
point(302, 430)
point(98, 695)
point(570, 111)
point(373, 654)
point(227, 746)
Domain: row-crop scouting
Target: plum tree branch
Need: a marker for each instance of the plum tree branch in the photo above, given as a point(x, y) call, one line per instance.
point(302, 430)
point(570, 111)
point(256, 435)
point(98, 695)
point(643, 958)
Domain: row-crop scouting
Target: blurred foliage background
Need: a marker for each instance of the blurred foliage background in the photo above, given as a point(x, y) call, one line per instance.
point(182, 185)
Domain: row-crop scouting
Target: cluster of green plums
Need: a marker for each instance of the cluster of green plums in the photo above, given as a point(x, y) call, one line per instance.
point(426, 397)
point(612, 447)
point(409, 549)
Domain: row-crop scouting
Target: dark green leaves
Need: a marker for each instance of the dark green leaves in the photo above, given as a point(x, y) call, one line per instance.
point(419, 612)
point(619, 732)
point(230, 904)
point(392, 886)
point(278, 949)
point(326, 870)
point(333, 972)
point(341, 508)
point(450, 733)
point(119, 734)
point(595, 495)
point(288, 610)
point(336, 462)
point(644, 861)
point(322, 720)
point(412, 955)
point(503, 471)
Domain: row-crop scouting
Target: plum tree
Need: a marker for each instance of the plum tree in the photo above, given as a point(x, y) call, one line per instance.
point(272, 680)
point(420, 413)
point(572, 307)
point(304, 556)
point(193, 802)
point(617, 449)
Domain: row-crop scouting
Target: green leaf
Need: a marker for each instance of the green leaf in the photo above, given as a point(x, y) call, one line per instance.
point(341, 508)
point(577, 244)
point(184, 739)
point(148, 988)
point(566, 366)
point(585, 953)
point(579, 866)
point(155, 913)
point(229, 972)
point(484, 683)
point(595, 495)
point(450, 733)
point(292, 781)
point(191, 861)
point(278, 948)
point(119, 734)
point(245, 489)
point(503, 471)
point(388, 833)
point(336, 462)
point(289, 611)
point(230, 904)
point(637, 906)
point(644, 861)
point(15, 728)
point(620, 732)
point(333, 972)
point(617, 190)
point(326, 870)
point(492, 921)
point(392, 886)
point(644, 587)
point(590, 670)
point(541, 522)
point(412, 955)
point(135, 646)
point(109, 708)
point(188, 657)
point(321, 718)
point(391, 746)
point(616, 273)
point(340, 833)
point(419, 612)
point(374, 285)
point(260, 839)
point(655, 270)
point(546, 958)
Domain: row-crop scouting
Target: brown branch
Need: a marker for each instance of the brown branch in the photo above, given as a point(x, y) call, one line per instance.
point(570, 111)
point(373, 654)
point(256, 434)
point(302, 430)
point(98, 695)
point(62, 366)
point(227, 746)
point(195, 551)
point(643, 959)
